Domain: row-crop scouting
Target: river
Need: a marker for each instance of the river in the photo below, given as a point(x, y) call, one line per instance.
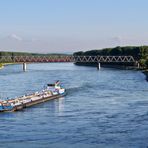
point(106, 108)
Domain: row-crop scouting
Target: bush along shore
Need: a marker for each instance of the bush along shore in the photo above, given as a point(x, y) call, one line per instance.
point(146, 73)
point(12, 54)
point(140, 54)
point(1, 66)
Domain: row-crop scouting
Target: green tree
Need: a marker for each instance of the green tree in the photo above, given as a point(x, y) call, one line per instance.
point(116, 51)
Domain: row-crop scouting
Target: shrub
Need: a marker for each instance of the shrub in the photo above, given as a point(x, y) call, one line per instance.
point(146, 63)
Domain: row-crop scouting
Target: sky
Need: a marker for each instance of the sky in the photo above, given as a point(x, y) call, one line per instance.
point(65, 26)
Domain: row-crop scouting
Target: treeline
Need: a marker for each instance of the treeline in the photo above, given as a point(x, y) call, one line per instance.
point(11, 55)
point(4, 53)
point(140, 53)
point(1, 65)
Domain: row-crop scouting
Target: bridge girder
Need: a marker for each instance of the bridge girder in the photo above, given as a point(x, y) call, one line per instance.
point(83, 59)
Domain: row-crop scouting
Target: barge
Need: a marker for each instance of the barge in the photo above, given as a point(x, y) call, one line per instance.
point(52, 91)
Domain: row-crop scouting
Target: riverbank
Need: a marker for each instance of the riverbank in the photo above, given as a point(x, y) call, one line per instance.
point(2, 65)
point(146, 74)
point(114, 66)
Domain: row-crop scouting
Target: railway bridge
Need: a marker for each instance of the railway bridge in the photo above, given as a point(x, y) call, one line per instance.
point(67, 58)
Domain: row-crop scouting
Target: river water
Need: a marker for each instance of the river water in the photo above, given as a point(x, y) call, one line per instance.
point(106, 108)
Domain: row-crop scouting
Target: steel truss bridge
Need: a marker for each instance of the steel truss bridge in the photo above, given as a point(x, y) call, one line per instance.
point(68, 58)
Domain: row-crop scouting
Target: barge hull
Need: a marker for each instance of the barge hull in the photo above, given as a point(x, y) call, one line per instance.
point(32, 103)
point(29, 104)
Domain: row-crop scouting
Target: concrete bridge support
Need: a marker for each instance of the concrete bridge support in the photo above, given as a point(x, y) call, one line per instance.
point(99, 66)
point(137, 65)
point(24, 66)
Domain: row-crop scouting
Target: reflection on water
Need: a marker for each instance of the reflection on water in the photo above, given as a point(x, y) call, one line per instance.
point(106, 108)
point(60, 105)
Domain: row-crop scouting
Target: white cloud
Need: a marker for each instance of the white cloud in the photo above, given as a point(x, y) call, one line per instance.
point(15, 37)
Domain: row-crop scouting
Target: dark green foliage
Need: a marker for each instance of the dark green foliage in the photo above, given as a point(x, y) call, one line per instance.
point(116, 51)
point(142, 63)
point(136, 52)
point(78, 53)
point(146, 63)
point(105, 51)
point(12, 54)
point(1, 65)
point(144, 51)
point(139, 53)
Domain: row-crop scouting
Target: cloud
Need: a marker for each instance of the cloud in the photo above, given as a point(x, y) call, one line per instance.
point(15, 37)
point(14, 42)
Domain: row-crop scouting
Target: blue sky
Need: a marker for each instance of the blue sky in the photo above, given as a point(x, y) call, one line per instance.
point(72, 25)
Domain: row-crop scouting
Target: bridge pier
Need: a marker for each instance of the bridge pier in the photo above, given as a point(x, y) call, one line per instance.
point(24, 66)
point(99, 66)
point(137, 65)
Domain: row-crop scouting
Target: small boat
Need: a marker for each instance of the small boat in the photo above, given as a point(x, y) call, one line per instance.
point(52, 91)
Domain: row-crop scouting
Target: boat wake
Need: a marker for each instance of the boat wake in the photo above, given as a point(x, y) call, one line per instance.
point(72, 90)
point(76, 89)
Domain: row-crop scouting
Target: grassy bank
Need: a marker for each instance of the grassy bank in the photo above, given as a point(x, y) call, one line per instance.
point(1, 66)
point(4, 64)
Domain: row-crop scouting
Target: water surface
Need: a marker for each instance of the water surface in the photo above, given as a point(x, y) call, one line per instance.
point(106, 108)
